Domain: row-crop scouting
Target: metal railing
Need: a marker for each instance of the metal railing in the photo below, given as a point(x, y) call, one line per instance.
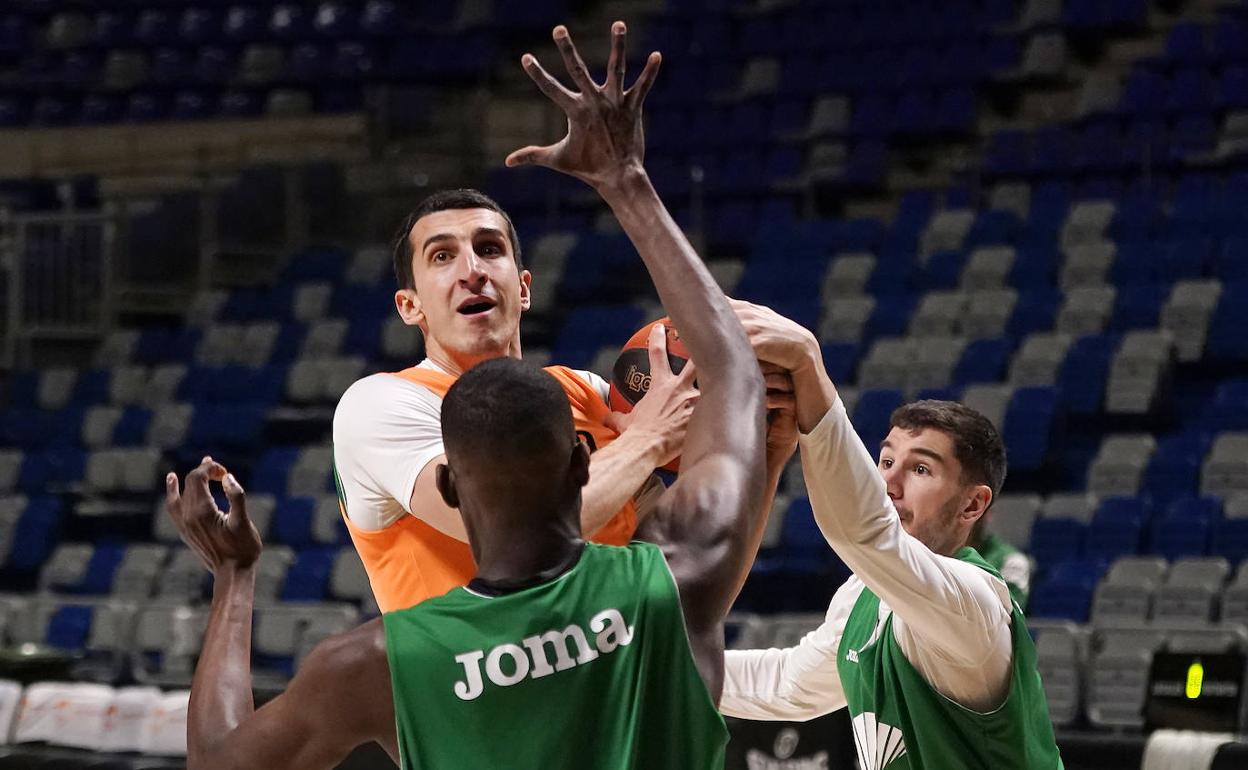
point(56, 274)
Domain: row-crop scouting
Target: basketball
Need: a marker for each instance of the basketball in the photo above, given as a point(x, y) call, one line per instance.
point(630, 377)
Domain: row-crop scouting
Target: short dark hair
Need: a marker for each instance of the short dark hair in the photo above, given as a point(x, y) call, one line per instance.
point(976, 442)
point(444, 200)
point(508, 412)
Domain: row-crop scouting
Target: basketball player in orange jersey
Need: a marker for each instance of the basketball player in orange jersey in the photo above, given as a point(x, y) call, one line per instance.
point(462, 282)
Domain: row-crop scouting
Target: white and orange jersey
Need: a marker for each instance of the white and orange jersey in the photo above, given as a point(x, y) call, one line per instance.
point(387, 428)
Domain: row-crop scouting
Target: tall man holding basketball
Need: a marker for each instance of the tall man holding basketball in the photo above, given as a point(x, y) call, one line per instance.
point(559, 654)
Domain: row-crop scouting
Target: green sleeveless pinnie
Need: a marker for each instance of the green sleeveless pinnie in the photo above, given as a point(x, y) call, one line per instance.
point(592, 669)
point(901, 723)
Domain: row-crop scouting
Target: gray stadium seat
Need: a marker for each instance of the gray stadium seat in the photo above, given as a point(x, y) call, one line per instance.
point(109, 642)
point(825, 159)
point(988, 267)
point(1079, 506)
point(1057, 661)
point(311, 474)
point(988, 311)
point(68, 30)
point(55, 387)
point(887, 364)
point(163, 385)
point(324, 338)
point(933, 363)
point(371, 266)
point(1045, 56)
point(990, 400)
point(830, 116)
point(1087, 264)
point(311, 301)
point(946, 231)
point(98, 424)
point(727, 273)
point(1137, 370)
point(117, 347)
point(1235, 598)
point(939, 314)
point(183, 577)
point(1086, 310)
point(1148, 571)
point(1119, 464)
point(1010, 196)
point(169, 426)
point(847, 275)
point(402, 342)
point(123, 70)
point(844, 319)
point(1206, 640)
point(166, 641)
point(1186, 315)
point(205, 306)
point(288, 103)
point(271, 570)
point(10, 468)
point(327, 520)
point(1225, 470)
point(129, 385)
point(1099, 94)
point(1125, 595)
point(139, 568)
point(786, 630)
point(1039, 359)
point(257, 343)
point(1188, 595)
point(1087, 223)
point(1012, 517)
point(66, 566)
point(1117, 684)
point(322, 621)
point(347, 579)
point(261, 64)
point(760, 77)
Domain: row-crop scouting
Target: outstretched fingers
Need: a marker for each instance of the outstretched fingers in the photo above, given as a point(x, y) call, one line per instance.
point(530, 156)
point(636, 95)
point(572, 60)
point(656, 348)
point(547, 84)
point(615, 62)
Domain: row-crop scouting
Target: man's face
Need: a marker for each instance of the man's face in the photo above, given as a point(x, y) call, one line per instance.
point(924, 481)
point(469, 294)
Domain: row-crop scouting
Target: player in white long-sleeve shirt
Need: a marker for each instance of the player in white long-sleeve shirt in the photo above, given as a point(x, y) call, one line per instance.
point(923, 642)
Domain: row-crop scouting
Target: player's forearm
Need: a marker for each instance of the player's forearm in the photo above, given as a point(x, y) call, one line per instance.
point(797, 683)
point(776, 460)
point(813, 391)
point(616, 472)
point(221, 696)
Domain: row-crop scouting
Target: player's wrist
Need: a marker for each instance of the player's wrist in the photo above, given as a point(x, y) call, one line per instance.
point(627, 184)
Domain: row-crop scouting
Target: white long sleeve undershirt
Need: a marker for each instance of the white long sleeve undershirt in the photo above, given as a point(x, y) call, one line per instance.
point(950, 618)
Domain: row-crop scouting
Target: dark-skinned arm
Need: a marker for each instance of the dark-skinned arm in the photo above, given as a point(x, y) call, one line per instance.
point(339, 699)
point(706, 520)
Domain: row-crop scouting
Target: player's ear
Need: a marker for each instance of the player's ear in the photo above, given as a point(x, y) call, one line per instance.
point(526, 296)
point(407, 302)
point(579, 462)
point(444, 478)
point(978, 502)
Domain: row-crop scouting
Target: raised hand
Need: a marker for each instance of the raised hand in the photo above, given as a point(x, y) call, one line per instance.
point(664, 411)
point(223, 539)
point(605, 142)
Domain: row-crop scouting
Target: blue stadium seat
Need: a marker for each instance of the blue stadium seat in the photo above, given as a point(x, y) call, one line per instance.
point(190, 105)
point(1227, 341)
point(131, 429)
point(142, 107)
point(841, 360)
point(14, 32)
point(69, 626)
point(1116, 529)
point(334, 21)
point(240, 104)
point(871, 416)
point(1184, 529)
point(1008, 153)
point(98, 578)
point(588, 329)
point(292, 521)
point(1190, 90)
point(1030, 423)
point(154, 27)
point(1230, 39)
point(382, 18)
point(1065, 591)
point(1174, 470)
point(983, 361)
point(308, 577)
point(1230, 540)
point(1233, 87)
point(97, 109)
point(1229, 408)
point(1139, 306)
point(1085, 371)
point(1036, 311)
point(198, 26)
point(271, 472)
point(35, 535)
point(1186, 44)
